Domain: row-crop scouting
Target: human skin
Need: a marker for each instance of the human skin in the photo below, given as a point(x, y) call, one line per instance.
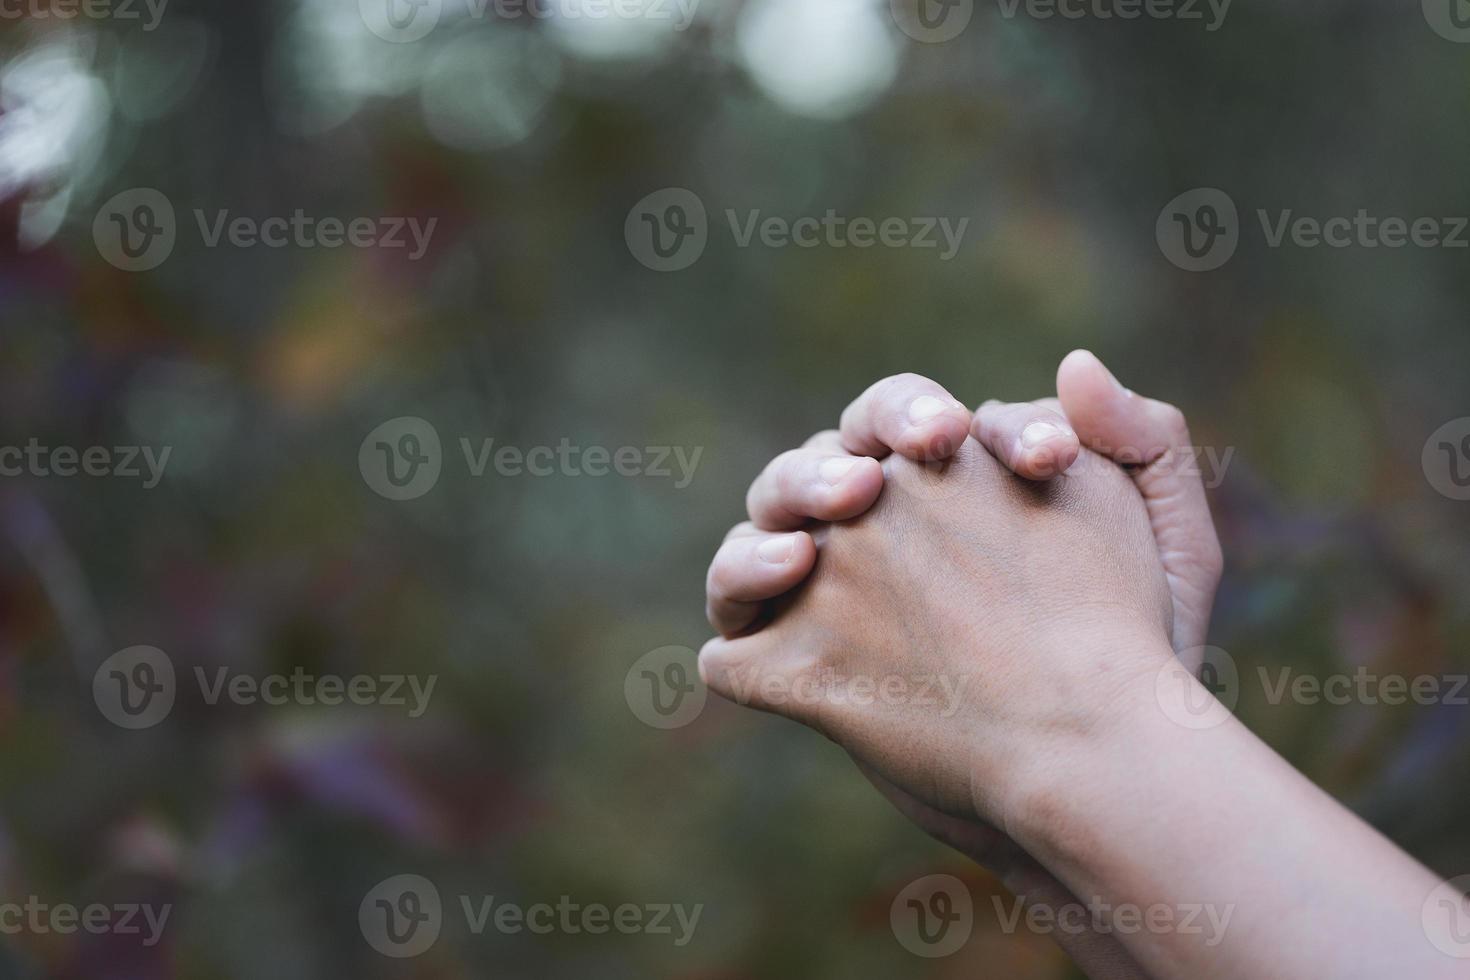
point(832, 477)
point(1034, 601)
point(1051, 608)
point(915, 417)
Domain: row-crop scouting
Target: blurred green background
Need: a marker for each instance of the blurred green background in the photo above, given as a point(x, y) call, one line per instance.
point(530, 320)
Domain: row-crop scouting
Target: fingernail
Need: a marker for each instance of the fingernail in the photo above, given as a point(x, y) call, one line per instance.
point(1038, 432)
point(834, 469)
point(776, 551)
point(924, 408)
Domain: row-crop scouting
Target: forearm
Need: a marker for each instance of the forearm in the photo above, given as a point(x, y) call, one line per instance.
point(1096, 952)
point(1099, 954)
point(1246, 868)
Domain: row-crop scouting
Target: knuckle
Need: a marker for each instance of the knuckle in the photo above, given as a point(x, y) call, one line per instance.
point(1045, 413)
point(824, 436)
point(911, 380)
point(788, 469)
point(738, 531)
point(727, 569)
point(1017, 417)
point(753, 498)
point(1174, 423)
point(895, 386)
point(714, 578)
point(1212, 557)
point(906, 386)
point(770, 483)
point(783, 461)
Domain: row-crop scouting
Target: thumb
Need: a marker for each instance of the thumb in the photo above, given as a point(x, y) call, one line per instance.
point(1152, 438)
point(755, 671)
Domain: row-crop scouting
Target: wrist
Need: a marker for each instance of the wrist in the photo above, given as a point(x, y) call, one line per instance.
point(1095, 757)
point(1140, 816)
